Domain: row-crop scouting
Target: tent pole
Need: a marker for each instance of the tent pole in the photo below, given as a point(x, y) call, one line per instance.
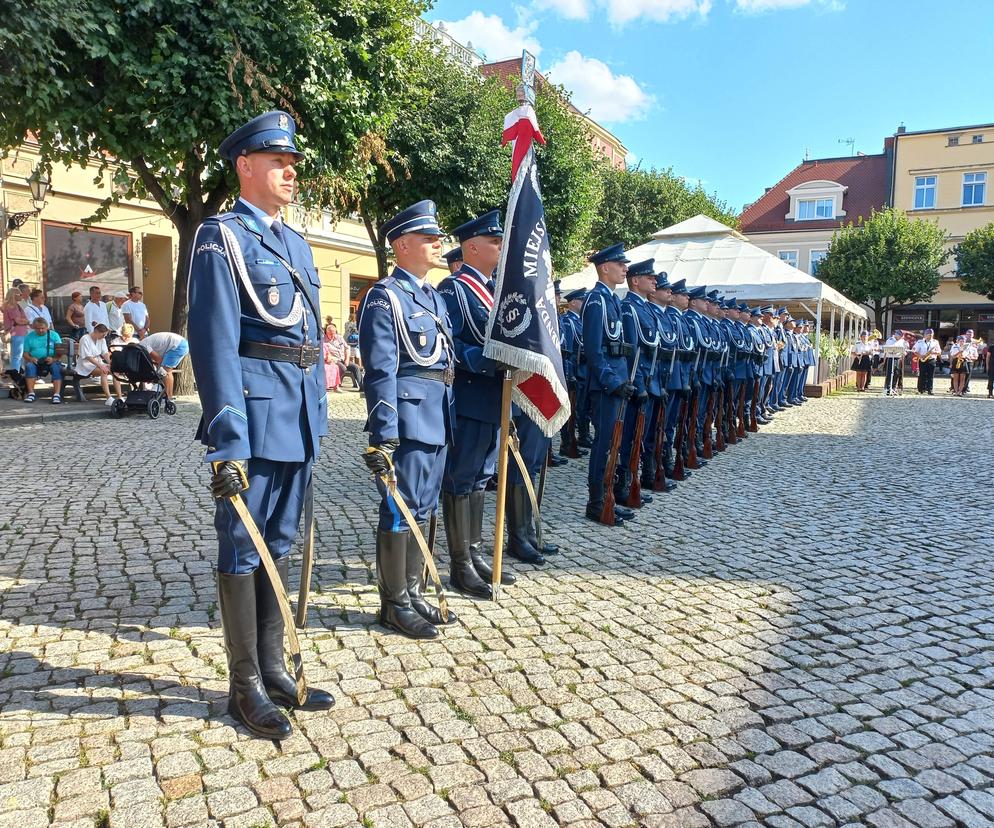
point(818, 341)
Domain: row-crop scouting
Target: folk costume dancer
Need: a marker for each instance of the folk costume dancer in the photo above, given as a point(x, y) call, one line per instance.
point(608, 378)
point(255, 348)
point(666, 365)
point(472, 460)
point(406, 345)
point(641, 335)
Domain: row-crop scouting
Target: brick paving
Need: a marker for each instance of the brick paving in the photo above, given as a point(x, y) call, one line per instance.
point(799, 635)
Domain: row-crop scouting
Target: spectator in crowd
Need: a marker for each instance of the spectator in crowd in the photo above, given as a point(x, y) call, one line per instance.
point(332, 373)
point(127, 336)
point(15, 326)
point(136, 312)
point(40, 359)
point(928, 351)
point(115, 312)
point(341, 354)
point(96, 310)
point(76, 317)
point(962, 356)
point(93, 359)
point(167, 350)
point(37, 308)
point(23, 293)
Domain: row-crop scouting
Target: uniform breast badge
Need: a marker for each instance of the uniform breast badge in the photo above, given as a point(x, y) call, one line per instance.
point(274, 296)
point(422, 340)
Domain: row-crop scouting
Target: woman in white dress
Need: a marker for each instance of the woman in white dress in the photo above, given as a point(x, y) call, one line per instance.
point(862, 351)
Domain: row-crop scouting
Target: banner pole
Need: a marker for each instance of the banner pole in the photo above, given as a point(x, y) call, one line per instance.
point(505, 427)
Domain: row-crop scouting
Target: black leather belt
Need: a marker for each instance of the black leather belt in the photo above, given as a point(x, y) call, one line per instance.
point(445, 375)
point(303, 355)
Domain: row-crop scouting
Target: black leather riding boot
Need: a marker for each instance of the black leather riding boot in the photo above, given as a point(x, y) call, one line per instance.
point(477, 501)
point(277, 680)
point(518, 544)
point(416, 582)
point(247, 698)
point(396, 611)
point(463, 576)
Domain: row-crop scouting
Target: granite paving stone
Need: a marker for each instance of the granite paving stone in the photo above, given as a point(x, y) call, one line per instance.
point(832, 669)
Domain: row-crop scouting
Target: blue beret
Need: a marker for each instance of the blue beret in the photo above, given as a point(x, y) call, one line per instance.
point(269, 132)
point(579, 293)
point(418, 218)
point(680, 286)
point(614, 253)
point(454, 255)
point(486, 225)
point(699, 292)
point(643, 268)
point(663, 281)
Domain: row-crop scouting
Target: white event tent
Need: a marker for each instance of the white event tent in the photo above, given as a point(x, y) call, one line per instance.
point(706, 252)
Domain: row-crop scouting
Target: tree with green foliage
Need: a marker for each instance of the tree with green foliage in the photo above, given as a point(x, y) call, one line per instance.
point(886, 260)
point(639, 202)
point(975, 260)
point(157, 84)
point(446, 146)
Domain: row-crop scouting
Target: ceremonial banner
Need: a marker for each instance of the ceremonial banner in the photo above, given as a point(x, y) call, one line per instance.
point(523, 329)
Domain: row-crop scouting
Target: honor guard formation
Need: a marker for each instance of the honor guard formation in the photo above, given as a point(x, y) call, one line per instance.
point(658, 383)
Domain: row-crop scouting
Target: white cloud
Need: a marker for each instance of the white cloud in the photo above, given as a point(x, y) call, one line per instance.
point(758, 6)
point(596, 89)
point(570, 9)
point(620, 12)
point(490, 34)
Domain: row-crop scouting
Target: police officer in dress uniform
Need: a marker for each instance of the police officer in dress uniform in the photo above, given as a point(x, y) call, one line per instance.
point(255, 348)
point(742, 365)
point(759, 361)
point(770, 364)
point(683, 370)
point(641, 335)
point(706, 345)
point(472, 460)
point(666, 363)
point(574, 305)
point(453, 259)
point(608, 380)
point(554, 459)
point(571, 345)
point(406, 345)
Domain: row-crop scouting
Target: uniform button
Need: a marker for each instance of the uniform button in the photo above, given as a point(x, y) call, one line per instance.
point(272, 280)
point(245, 391)
point(307, 370)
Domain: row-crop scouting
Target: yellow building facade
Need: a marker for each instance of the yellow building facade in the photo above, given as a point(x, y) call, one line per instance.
point(944, 175)
point(137, 244)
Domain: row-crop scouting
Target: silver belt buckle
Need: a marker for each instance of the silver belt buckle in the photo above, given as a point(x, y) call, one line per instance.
point(448, 374)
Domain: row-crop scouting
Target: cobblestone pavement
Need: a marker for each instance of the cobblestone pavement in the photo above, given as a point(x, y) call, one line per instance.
point(801, 634)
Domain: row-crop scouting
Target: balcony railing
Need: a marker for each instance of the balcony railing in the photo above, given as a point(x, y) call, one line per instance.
point(442, 40)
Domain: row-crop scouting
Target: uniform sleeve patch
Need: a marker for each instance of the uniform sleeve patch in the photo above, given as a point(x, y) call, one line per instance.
point(210, 247)
point(378, 303)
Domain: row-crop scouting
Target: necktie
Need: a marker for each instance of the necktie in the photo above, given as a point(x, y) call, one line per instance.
point(277, 228)
point(491, 285)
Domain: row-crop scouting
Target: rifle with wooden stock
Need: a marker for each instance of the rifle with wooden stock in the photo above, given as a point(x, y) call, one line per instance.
point(659, 481)
point(635, 489)
point(754, 407)
point(607, 512)
point(679, 470)
point(730, 400)
point(741, 426)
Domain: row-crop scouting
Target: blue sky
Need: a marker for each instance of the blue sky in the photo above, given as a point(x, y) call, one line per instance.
point(733, 92)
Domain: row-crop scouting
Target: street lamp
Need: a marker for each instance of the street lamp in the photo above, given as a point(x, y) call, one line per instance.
point(39, 183)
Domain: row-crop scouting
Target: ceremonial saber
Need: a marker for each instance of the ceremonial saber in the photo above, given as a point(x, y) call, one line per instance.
point(281, 597)
point(307, 561)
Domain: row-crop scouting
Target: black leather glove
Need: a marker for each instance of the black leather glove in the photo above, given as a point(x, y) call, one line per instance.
point(625, 391)
point(642, 396)
point(229, 478)
point(378, 458)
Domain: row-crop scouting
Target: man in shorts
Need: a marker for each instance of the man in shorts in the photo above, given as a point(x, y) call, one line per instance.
point(167, 350)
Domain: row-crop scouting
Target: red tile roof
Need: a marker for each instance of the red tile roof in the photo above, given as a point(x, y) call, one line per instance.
point(864, 176)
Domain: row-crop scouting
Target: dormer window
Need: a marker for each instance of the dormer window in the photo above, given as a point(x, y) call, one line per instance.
point(816, 201)
point(809, 209)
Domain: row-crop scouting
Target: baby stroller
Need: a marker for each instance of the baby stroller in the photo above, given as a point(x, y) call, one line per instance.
point(18, 387)
point(132, 364)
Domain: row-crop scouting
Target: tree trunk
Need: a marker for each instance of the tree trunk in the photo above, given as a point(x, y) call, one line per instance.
point(187, 231)
point(378, 242)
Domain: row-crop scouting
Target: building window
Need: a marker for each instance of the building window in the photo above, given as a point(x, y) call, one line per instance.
point(973, 188)
point(978, 139)
point(811, 209)
point(925, 192)
point(817, 257)
point(953, 141)
point(788, 256)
